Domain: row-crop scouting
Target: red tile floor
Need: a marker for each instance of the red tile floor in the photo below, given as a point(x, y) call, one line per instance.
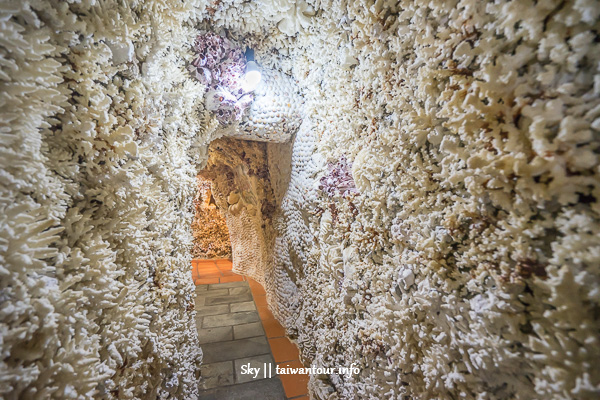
point(205, 272)
point(284, 351)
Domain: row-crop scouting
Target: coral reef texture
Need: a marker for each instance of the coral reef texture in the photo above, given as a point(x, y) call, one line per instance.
point(211, 236)
point(433, 216)
point(100, 130)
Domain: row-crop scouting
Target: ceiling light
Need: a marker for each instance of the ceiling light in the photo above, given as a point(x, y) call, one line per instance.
point(252, 76)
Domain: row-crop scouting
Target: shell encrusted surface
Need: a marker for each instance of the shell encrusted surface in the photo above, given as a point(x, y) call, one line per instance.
point(275, 113)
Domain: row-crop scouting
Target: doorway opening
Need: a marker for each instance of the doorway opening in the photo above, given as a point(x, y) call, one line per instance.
point(240, 190)
point(245, 181)
point(211, 236)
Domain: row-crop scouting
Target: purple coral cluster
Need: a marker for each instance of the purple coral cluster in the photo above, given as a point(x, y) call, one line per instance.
point(338, 179)
point(220, 65)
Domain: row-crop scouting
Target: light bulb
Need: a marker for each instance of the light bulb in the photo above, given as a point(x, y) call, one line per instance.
point(252, 76)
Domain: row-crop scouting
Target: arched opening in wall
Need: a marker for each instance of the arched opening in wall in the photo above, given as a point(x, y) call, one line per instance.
point(249, 170)
point(239, 193)
point(255, 111)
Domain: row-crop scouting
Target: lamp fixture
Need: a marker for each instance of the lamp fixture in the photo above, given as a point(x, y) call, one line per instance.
point(252, 75)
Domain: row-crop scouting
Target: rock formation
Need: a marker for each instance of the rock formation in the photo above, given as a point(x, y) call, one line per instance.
point(211, 236)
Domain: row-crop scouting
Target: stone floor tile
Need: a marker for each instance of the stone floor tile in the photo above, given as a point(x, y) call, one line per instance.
point(224, 351)
point(227, 285)
point(213, 310)
point(216, 374)
point(264, 389)
point(238, 298)
point(238, 318)
point(215, 292)
point(248, 330)
point(218, 334)
point(243, 306)
point(239, 290)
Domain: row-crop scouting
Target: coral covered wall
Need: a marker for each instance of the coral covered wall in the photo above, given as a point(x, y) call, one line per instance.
point(211, 236)
point(441, 227)
point(435, 222)
point(98, 118)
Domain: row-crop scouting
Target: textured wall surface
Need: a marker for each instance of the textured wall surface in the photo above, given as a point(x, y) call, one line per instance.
point(461, 260)
point(211, 236)
point(438, 222)
point(98, 118)
point(275, 112)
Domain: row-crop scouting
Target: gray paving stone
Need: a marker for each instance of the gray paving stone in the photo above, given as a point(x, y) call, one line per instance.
point(248, 330)
point(238, 318)
point(219, 334)
point(213, 310)
point(231, 335)
point(260, 362)
point(202, 296)
point(224, 351)
point(264, 389)
point(228, 299)
point(239, 290)
point(244, 306)
point(214, 286)
point(216, 375)
point(214, 292)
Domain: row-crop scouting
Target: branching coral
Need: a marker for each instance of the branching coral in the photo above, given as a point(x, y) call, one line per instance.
point(97, 181)
point(466, 268)
point(472, 127)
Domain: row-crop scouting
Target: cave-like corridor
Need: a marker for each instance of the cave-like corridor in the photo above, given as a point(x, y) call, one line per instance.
point(243, 342)
point(394, 199)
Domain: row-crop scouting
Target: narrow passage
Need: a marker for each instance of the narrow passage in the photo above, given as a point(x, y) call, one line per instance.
point(236, 329)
